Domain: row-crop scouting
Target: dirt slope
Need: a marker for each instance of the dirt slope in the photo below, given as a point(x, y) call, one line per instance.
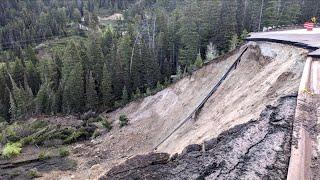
point(267, 71)
point(264, 152)
point(257, 82)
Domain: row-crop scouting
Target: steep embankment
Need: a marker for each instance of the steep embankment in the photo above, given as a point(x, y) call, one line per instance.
point(260, 79)
point(259, 149)
point(266, 72)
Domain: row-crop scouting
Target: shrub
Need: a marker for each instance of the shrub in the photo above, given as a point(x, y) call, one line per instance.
point(137, 94)
point(76, 135)
point(148, 92)
point(12, 149)
point(123, 120)
point(43, 155)
point(63, 152)
point(33, 173)
point(159, 86)
point(106, 124)
point(11, 134)
point(15, 132)
point(27, 140)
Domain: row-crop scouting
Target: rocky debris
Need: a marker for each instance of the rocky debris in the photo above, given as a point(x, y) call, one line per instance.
point(259, 149)
point(26, 169)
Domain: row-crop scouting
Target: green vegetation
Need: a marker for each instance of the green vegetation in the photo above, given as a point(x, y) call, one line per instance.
point(77, 135)
point(12, 149)
point(123, 120)
point(27, 140)
point(106, 124)
point(199, 62)
point(43, 155)
point(18, 135)
point(106, 67)
point(63, 152)
point(32, 173)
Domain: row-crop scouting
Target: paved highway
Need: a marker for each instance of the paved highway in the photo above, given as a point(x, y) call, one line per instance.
point(300, 37)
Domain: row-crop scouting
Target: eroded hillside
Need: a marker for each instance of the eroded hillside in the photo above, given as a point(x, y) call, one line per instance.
point(266, 73)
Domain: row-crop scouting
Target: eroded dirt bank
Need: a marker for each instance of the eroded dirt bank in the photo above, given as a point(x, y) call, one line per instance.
point(259, 149)
point(267, 71)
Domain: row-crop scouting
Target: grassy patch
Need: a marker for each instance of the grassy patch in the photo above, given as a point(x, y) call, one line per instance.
point(43, 155)
point(63, 152)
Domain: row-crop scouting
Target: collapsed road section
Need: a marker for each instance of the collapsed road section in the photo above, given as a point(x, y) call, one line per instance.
point(282, 146)
point(259, 149)
point(304, 163)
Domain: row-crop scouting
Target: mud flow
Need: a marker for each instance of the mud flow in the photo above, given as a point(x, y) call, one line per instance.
point(259, 149)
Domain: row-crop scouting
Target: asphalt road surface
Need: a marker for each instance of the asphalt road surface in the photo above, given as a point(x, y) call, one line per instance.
point(300, 37)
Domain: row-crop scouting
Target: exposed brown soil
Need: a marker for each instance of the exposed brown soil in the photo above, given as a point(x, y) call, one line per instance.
point(259, 149)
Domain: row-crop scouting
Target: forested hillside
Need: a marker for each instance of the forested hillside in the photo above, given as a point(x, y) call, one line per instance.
point(107, 66)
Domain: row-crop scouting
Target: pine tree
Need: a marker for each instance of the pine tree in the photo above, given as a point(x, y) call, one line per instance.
point(150, 67)
point(291, 13)
point(106, 87)
point(33, 77)
point(234, 42)
point(73, 82)
point(272, 13)
point(70, 59)
point(43, 99)
point(57, 100)
point(29, 96)
point(243, 36)
point(19, 100)
point(96, 57)
point(18, 71)
point(73, 93)
point(13, 108)
point(137, 94)
point(189, 42)
point(121, 65)
point(199, 62)
point(92, 100)
point(31, 56)
point(4, 95)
